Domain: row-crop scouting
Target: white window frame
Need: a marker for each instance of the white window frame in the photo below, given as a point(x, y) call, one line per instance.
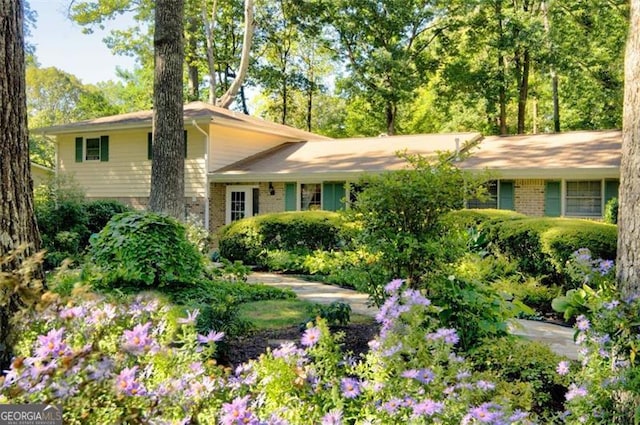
point(564, 198)
point(84, 148)
point(248, 189)
point(299, 194)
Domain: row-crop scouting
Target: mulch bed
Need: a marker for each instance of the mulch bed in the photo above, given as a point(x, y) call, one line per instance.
point(239, 350)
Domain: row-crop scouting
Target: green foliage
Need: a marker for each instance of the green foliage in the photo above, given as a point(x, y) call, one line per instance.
point(336, 313)
point(611, 211)
point(246, 239)
point(144, 250)
point(206, 291)
point(542, 246)
point(401, 214)
point(100, 212)
point(533, 364)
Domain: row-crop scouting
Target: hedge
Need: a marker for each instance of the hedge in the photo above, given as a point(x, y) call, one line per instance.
point(248, 238)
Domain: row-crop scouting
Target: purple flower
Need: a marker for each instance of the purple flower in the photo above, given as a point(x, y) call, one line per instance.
point(392, 405)
point(486, 412)
point(137, 341)
point(563, 368)
point(334, 417)
point(575, 391)
point(52, 344)
point(288, 351)
point(310, 337)
point(415, 297)
point(427, 408)
point(613, 304)
point(422, 375)
point(393, 286)
point(582, 323)
point(350, 387)
point(126, 382)
point(72, 312)
point(212, 336)
point(100, 370)
point(237, 412)
point(605, 266)
point(450, 336)
point(191, 317)
point(485, 385)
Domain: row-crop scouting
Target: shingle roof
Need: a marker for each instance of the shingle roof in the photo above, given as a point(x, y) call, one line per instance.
point(575, 149)
point(198, 111)
point(367, 154)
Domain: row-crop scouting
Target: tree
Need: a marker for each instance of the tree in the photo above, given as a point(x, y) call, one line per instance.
point(18, 226)
point(628, 269)
point(167, 170)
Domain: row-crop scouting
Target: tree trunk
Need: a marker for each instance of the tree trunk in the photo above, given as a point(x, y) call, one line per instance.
point(309, 106)
point(628, 267)
point(502, 89)
point(243, 101)
point(391, 111)
point(193, 83)
point(167, 170)
point(209, 26)
point(227, 98)
point(17, 221)
point(284, 96)
point(554, 74)
point(524, 91)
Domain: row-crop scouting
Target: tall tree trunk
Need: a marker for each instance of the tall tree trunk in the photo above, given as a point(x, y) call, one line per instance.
point(552, 69)
point(391, 111)
point(209, 26)
point(193, 74)
point(227, 99)
point(628, 268)
point(502, 71)
point(309, 106)
point(193, 82)
point(243, 99)
point(523, 91)
point(167, 170)
point(285, 93)
point(17, 221)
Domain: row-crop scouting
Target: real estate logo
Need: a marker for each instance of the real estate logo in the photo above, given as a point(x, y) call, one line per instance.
point(30, 414)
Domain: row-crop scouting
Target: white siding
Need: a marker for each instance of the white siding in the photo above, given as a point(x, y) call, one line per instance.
point(128, 171)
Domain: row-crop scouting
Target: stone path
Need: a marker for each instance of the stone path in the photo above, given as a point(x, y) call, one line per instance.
point(559, 338)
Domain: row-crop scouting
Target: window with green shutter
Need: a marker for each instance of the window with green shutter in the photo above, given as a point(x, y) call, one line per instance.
point(610, 190)
point(553, 199)
point(290, 197)
point(92, 149)
point(104, 148)
point(79, 149)
point(507, 196)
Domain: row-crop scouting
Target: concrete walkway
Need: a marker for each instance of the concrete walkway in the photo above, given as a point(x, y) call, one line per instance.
point(559, 338)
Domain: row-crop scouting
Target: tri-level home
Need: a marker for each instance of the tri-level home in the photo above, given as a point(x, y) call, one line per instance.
point(238, 166)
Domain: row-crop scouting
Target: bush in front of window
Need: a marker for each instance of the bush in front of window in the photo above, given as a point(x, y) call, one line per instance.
point(542, 246)
point(248, 239)
point(611, 211)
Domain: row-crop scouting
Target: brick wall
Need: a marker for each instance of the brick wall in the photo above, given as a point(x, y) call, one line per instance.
point(194, 205)
point(529, 196)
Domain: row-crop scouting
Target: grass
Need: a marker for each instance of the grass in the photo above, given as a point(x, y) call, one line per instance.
point(275, 314)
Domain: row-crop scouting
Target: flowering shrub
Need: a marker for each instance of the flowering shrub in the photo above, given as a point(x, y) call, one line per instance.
point(606, 386)
point(140, 363)
point(593, 281)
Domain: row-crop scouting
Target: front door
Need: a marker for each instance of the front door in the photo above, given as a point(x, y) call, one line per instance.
point(239, 202)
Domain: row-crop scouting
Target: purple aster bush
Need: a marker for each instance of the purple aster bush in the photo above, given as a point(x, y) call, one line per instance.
point(605, 386)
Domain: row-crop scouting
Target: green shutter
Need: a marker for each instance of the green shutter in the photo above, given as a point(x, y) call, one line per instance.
point(185, 144)
point(149, 145)
point(333, 196)
point(79, 143)
point(104, 148)
point(610, 190)
point(552, 199)
point(507, 198)
point(290, 196)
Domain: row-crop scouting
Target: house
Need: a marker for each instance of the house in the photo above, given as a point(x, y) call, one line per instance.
point(40, 174)
point(237, 165)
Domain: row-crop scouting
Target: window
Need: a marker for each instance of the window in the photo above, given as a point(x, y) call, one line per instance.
point(492, 197)
point(310, 196)
point(583, 198)
point(92, 149)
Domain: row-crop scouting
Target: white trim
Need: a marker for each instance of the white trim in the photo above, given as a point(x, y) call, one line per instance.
point(564, 198)
point(84, 149)
point(248, 189)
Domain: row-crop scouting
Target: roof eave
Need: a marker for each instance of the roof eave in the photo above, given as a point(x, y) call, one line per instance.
point(551, 173)
point(84, 128)
point(246, 177)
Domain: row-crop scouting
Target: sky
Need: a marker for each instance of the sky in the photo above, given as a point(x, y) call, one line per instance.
point(61, 43)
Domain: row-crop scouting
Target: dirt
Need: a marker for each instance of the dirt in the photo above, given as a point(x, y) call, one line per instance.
point(242, 349)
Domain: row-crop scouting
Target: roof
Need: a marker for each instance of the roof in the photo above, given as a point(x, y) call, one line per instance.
point(193, 111)
point(340, 157)
point(593, 153)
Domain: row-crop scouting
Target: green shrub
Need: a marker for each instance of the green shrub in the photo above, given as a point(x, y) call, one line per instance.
point(246, 239)
point(611, 211)
point(519, 361)
point(142, 250)
point(478, 217)
point(208, 292)
point(101, 211)
point(542, 246)
point(336, 313)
